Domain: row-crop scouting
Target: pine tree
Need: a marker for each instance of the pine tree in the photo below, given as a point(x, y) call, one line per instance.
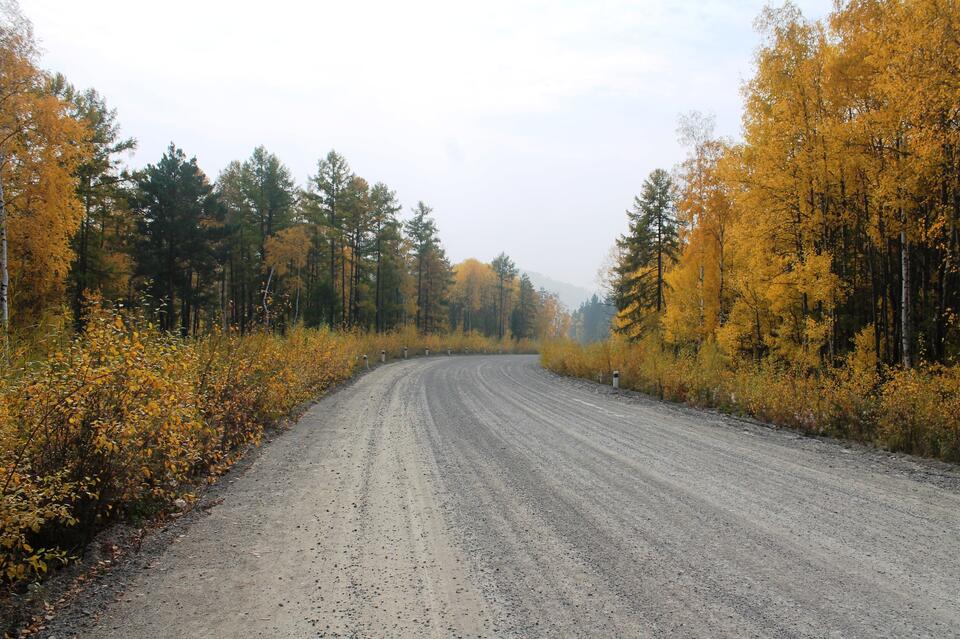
point(422, 231)
point(592, 320)
point(383, 210)
point(523, 320)
point(646, 251)
point(506, 271)
point(327, 193)
point(179, 220)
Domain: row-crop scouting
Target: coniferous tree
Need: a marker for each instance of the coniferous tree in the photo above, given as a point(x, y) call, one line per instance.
point(179, 218)
point(506, 271)
point(422, 231)
point(102, 243)
point(523, 320)
point(41, 144)
point(238, 255)
point(592, 320)
point(328, 194)
point(260, 200)
point(383, 210)
point(646, 251)
point(358, 225)
point(436, 280)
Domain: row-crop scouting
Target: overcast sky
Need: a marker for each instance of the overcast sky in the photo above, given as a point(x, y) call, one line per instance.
point(527, 126)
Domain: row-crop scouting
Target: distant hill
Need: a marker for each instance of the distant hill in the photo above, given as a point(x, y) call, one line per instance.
point(570, 294)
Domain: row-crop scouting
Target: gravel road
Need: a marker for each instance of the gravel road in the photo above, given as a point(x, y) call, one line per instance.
point(485, 497)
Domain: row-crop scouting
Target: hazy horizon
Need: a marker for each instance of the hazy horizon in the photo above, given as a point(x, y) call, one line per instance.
point(536, 118)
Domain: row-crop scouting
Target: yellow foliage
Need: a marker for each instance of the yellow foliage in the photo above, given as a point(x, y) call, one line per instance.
point(915, 411)
point(119, 421)
point(40, 146)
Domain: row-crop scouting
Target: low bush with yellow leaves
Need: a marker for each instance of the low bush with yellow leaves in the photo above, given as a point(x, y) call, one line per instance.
point(120, 421)
point(109, 421)
point(915, 411)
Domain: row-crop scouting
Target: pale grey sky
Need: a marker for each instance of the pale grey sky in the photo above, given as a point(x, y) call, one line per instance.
point(527, 125)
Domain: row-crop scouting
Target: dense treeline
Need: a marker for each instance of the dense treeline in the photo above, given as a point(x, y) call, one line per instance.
point(493, 299)
point(837, 216)
point(591, 321)
point(808, 275)
point(250, 250)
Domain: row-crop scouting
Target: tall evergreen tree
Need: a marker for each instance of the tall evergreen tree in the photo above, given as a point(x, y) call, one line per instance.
point(260, 199)
point(436, 280)
point(383, 209)
point(427, 259)
point(506, 271)
point(523, 320)
point(650, 246)
point(359, 244)
point(178, 217)
point(328, 192)
point(240, 272)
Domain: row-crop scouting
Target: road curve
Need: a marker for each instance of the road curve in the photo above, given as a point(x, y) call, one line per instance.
point(484, 497)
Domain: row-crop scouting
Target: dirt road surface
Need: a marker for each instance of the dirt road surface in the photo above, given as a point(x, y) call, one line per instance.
point(484, 497)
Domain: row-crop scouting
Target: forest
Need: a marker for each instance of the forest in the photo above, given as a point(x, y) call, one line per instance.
point(807, 273)
point(251, 249)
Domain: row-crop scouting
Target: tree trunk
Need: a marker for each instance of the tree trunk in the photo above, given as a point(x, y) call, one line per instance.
point(419, 286)
point(333, 262)
point(266, 294)
point(379, 302)
point(4, 267)
point(82, 257)
point(659, 265)
point(343, 283)
point(296, 307)
point(185, 307)
point(905, 329)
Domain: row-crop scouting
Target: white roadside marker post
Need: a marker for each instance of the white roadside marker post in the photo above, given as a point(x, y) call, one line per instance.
point(383, 357)
point(404, 352)
point(366, 362)
point(616, 380)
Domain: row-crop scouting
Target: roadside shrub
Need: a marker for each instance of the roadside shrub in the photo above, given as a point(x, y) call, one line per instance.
point(121, 420)
point(920, 412)
point(108, 421)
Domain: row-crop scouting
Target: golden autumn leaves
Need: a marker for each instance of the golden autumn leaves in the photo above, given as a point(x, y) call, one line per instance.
point(122, 419)
point(818, 280)
point(41, 145)
point(839, 209)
